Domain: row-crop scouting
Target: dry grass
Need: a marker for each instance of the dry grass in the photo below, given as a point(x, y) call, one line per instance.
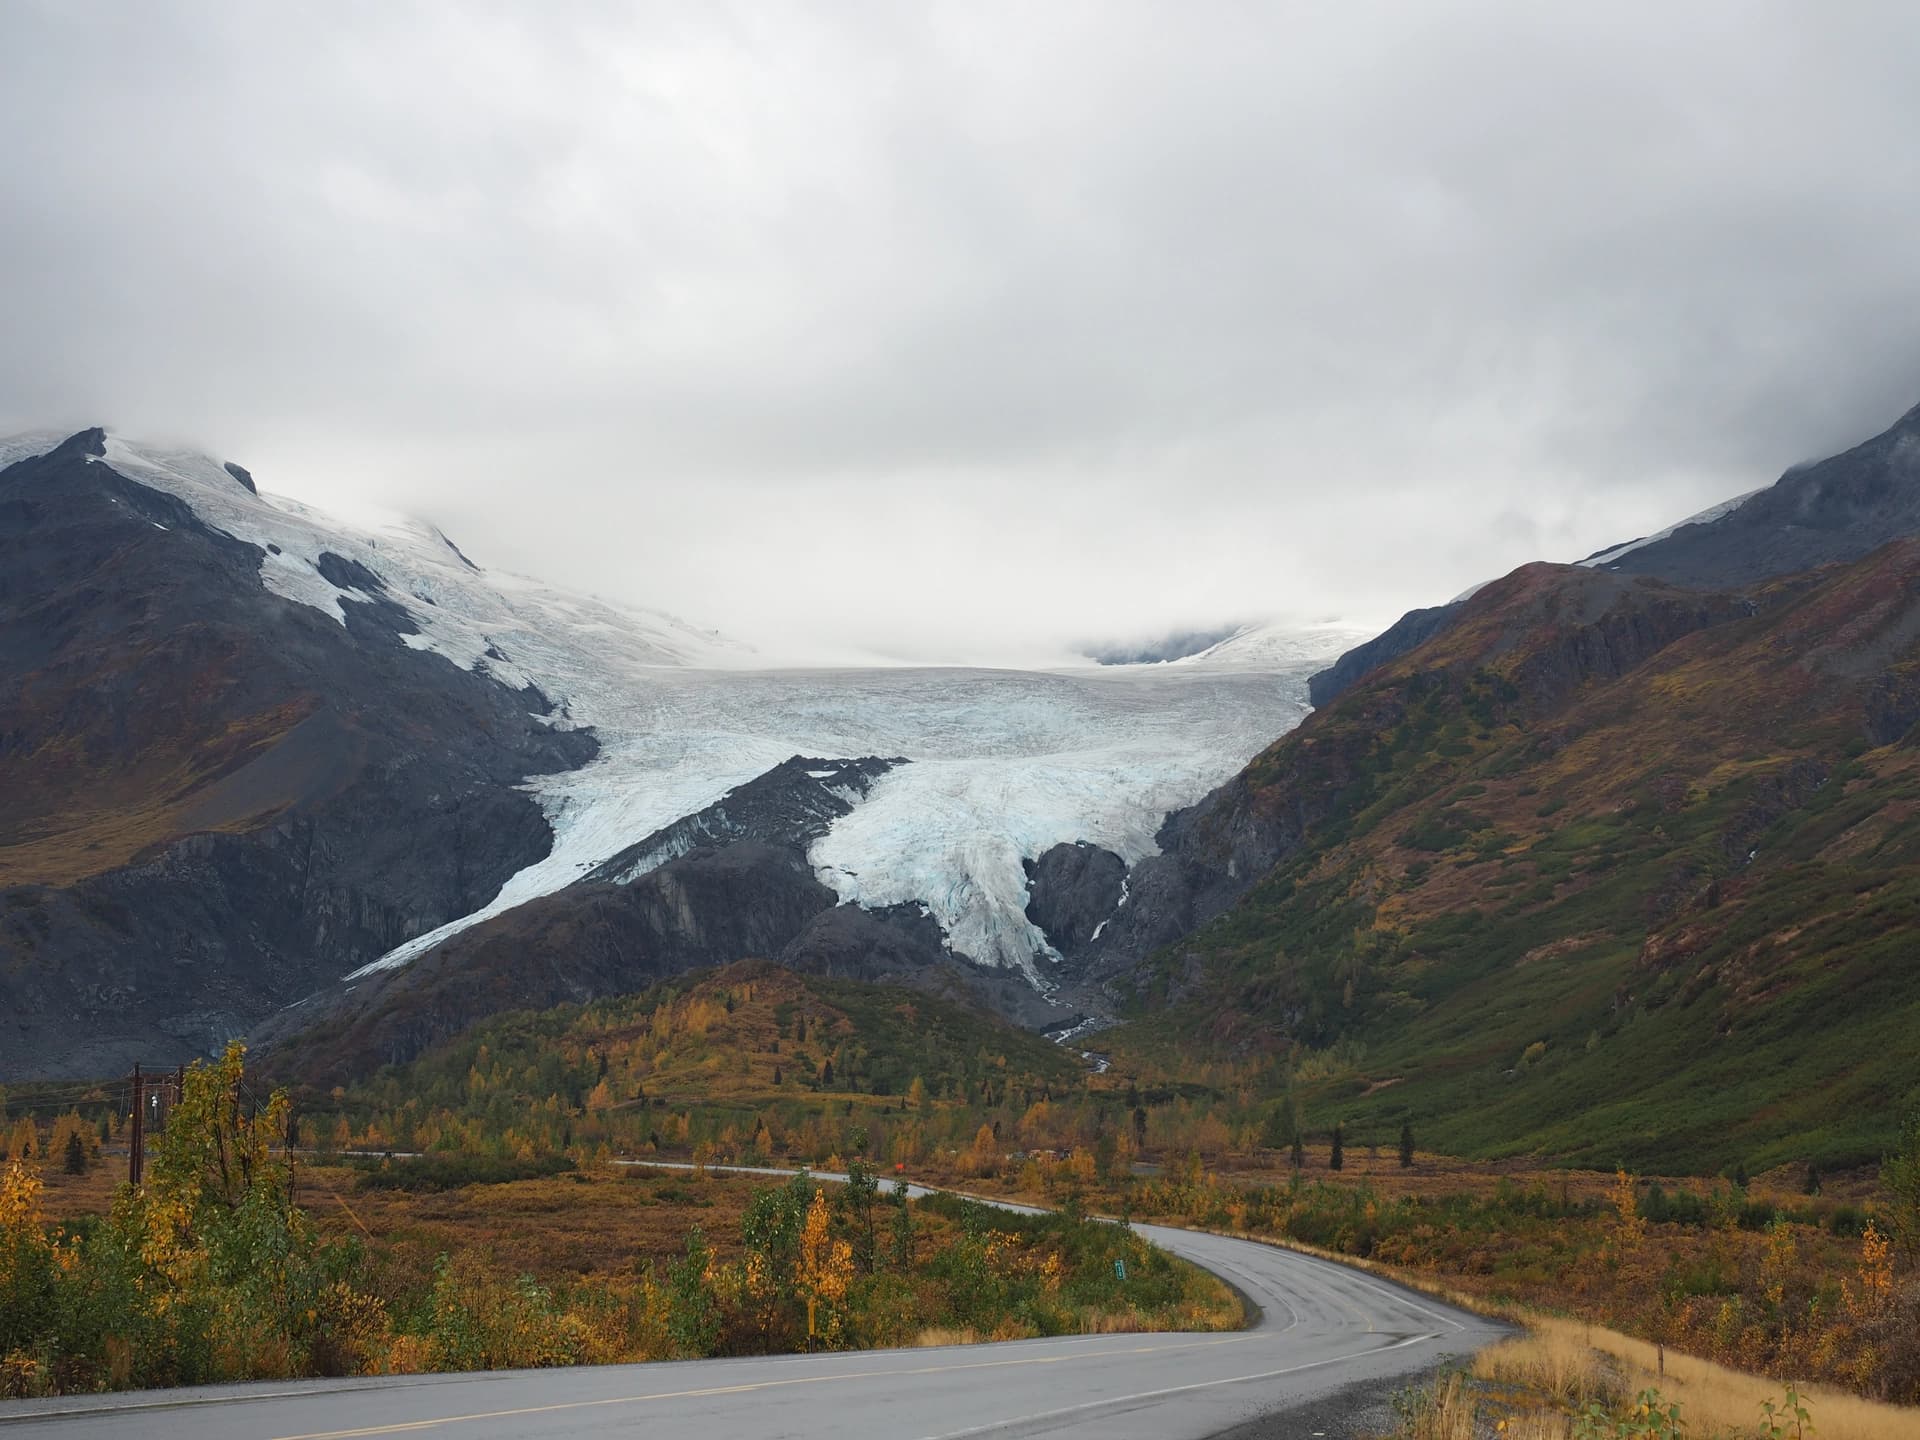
point(1445, 1410)
point(936, 1335)
point(591, 1221)
point(1544, 1362)
point(1537, 1425)
point(1573, 1363)
point(69, 1196)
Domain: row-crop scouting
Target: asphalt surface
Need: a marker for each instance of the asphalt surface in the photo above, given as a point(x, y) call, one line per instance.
point(1324, 1331)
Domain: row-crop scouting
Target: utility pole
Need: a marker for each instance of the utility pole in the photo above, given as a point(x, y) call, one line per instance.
point(137, 1138)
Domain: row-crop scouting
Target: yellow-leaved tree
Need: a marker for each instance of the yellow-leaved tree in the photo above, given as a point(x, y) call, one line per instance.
point(30, 1265)
point(205, 1272)
point(823, 1270)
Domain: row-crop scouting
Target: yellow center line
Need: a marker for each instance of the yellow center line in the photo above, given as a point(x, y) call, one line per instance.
point(401, 1427)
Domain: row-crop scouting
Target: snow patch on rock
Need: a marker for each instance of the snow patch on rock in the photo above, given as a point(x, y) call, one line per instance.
point(1705, 517)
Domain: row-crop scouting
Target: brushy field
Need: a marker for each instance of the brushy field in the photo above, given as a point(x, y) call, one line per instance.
point(233, 1262)
point(1782, 1287)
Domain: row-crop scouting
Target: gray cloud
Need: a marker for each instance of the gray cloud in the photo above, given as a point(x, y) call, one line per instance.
point(955, 329)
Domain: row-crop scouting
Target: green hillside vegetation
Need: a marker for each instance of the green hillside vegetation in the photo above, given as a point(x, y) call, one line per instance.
point(1664, 918)
point(751, 1062)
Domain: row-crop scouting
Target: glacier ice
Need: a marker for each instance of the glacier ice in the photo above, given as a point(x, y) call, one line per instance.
point(1006, 763)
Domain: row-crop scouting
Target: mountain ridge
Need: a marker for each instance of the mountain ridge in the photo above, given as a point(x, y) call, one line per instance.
point(1663, 835)
point(1816, 513)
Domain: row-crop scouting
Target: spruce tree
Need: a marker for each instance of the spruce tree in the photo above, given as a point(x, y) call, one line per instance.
point(1406, 1145)
point(76, 1158)
point(1338, 1159)
point(1275, 1134)
point(902, 1228)
point(1299, 1152)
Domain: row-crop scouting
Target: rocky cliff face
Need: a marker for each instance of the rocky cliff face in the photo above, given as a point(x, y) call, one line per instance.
point(213, 799)
point(1074, 888)
point(793, 804)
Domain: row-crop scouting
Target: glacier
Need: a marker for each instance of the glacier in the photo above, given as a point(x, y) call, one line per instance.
point(1004, 763)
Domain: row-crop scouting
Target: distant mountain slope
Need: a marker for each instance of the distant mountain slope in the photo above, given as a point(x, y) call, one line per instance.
point(1174, 646)
point(1609, 869)
point(1834, 510)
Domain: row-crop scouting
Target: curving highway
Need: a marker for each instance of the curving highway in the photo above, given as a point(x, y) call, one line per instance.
point(1322, 1327)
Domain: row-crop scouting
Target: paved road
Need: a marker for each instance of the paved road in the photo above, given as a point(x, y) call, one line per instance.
point(1322, 1327)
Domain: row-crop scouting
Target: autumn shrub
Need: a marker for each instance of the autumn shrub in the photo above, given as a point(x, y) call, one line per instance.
point(31, 1295)
point(477, 1321)
point(693, 1311)
point(206, 1272)
point(886, 1310)
point(210, 1272)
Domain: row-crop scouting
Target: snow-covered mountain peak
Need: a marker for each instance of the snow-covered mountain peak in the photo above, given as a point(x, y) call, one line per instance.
point(520, 630)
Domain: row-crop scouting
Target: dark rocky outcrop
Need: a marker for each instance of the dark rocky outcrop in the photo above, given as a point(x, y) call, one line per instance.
point(793, 804)
point(213, 799)
point(1073, 891)
point(1406, 634)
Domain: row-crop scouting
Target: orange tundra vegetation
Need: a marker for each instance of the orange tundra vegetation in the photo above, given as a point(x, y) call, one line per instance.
point(214, 1269)
point(1766, 1277)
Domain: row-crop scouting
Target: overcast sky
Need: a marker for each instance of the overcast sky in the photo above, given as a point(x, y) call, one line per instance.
point(946, 328)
